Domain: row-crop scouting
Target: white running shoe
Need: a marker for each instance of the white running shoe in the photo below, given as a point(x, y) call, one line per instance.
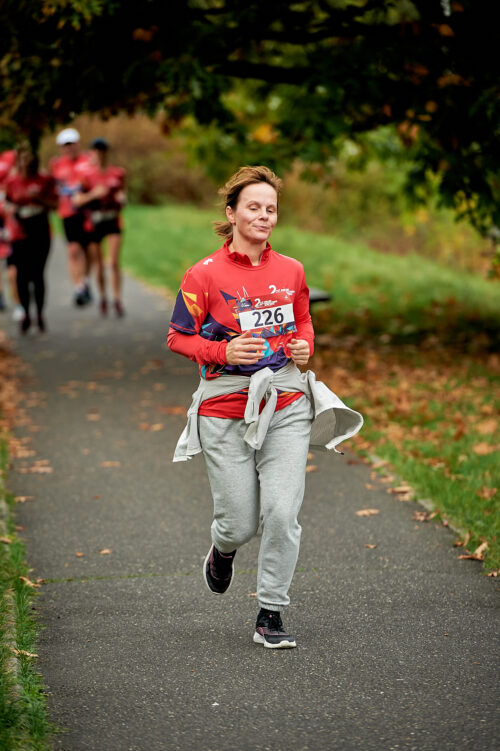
point(18, 313)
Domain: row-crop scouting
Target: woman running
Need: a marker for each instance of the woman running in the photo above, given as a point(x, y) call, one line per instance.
point(242, 314)
point(30, 195)
point(103, 200)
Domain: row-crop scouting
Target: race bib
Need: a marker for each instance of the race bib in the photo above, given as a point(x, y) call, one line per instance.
point(267, 316)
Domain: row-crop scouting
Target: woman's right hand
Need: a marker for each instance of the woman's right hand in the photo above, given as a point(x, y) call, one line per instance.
point(244, 350)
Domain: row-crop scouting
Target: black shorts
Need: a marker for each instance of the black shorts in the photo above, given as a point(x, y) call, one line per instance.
point(107, 227)
point(74, 231)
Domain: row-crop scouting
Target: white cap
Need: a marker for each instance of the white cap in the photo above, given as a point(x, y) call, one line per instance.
point(68, 135)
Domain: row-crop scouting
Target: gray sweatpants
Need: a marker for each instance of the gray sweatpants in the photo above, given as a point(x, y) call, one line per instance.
point(266, 485)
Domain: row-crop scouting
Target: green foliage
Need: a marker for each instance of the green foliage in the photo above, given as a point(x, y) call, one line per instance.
point(314, 73)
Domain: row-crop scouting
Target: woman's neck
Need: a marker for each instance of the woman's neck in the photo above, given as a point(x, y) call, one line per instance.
point(253, 250)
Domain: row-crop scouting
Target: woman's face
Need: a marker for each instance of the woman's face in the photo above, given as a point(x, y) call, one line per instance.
point(255, 214)
point(25, 160)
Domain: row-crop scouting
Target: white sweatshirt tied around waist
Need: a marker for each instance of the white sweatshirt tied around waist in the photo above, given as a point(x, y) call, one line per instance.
point(333, 421)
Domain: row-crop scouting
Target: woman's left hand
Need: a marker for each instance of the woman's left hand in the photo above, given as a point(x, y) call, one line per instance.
point(299, 351)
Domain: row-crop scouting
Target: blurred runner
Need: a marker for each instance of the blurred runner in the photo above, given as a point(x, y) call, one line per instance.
point(69, 171)
point(103, 199)
point(29, 195)
point(7, 164)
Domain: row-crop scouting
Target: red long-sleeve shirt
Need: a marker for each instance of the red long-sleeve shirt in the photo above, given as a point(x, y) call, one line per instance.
point(223, 295)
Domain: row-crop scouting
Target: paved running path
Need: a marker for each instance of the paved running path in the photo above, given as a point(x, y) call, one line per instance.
point(397, 644)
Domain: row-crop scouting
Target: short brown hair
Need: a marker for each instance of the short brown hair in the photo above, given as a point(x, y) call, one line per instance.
point(230, 192)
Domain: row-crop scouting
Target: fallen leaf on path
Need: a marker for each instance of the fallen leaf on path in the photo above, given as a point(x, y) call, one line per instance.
point(420, 516)
point(23, 453)
point(494, 573)
point(23, 652)
point(311, 468)
point(24, 498)
point(111, 464)
point(477, 555)
point(105, 551)
point(79, 555)
point(172, 410)
point(28, 582)
point(6, 540)
point(369, 487)
point(252, 594)
point(144, 426)
point(462, 543)
point(41, 466)
point(368, 512)
point(156, 427)
point(380, 463)
point(310, 456)
point(370, 547)
point(93, 415)
point(159, 387)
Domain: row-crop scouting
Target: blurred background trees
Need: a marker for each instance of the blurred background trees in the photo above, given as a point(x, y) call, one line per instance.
point(405, 91)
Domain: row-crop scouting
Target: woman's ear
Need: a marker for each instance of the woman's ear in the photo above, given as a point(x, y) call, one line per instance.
point(230, 215)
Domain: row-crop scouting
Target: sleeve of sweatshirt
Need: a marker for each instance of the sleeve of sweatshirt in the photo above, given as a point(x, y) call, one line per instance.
point(189, 313)
point(302, 316)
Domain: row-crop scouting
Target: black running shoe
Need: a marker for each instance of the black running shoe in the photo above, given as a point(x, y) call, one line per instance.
point(79, 298)
point(269, 631)
point(119, 309)
point(218, 570)
point(25, 324)
point(41, 323)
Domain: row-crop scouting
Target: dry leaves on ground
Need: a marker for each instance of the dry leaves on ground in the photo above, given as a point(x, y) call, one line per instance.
point(368, 512)
point(177, 410)
point(486, 492)
point(424, 516)
point(111, 464)
point(477, 555)
point(23, 653)
point(30, 583)
point(462, 543)
point(41, 467)
point(483, 448)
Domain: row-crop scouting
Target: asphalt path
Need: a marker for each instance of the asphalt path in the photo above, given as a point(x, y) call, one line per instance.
point(397, 644)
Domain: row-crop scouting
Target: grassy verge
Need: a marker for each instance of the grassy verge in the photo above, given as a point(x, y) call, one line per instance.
point(405, 299)
point(408, 342)
point(23, 717)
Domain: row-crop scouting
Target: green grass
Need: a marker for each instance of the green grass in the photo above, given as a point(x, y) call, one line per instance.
point(443, 467)
point(23, 718)
point(404, 298)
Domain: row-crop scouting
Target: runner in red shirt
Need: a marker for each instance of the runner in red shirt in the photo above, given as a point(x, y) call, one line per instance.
point(29, 195)
point(7, 164)
point(69, 170)
point(103, 200)
point(243, 311)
